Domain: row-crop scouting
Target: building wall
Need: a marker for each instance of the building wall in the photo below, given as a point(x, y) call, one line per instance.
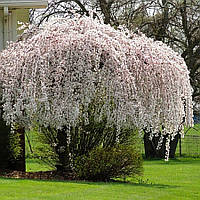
point(24, 3)
point(1, 29)
point(8, 29)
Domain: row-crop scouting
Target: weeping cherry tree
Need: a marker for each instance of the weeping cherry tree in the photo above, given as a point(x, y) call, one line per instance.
point(53, 75)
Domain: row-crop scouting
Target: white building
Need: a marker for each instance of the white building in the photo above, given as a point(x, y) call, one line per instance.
point(12, 11)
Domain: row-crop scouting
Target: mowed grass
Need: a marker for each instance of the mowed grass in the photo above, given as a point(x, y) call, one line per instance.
point(192, 130)
point(173, 180)
point(34, 165)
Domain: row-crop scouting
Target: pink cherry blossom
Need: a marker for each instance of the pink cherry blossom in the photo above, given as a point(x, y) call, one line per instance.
point(56, 69)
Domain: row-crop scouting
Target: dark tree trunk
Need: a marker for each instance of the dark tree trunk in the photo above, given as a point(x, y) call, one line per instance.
point(150, 147)
point(4, 144)
point(7, 162)
point(62, 150)
point(19, 163)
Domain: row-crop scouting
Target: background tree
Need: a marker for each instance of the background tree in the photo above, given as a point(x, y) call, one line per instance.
point(177, 24)
point(114, 12)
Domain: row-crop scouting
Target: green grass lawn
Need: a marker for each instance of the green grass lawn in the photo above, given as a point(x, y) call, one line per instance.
point(193, 130)
point(173, 180)
point(33, 165)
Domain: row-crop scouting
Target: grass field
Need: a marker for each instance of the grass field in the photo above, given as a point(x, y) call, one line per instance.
point(173, 180)
point(193, 130)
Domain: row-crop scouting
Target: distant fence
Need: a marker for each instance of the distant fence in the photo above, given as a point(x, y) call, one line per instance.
point(189, 146)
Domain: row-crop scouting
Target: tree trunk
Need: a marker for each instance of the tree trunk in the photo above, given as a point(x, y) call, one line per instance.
point(4, 143)
point(62, 151)
point(150, 147)
point(7, 161)
point(19, 163)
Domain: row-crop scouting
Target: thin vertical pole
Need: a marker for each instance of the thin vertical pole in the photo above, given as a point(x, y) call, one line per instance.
point(180, 150)
point(5, 26)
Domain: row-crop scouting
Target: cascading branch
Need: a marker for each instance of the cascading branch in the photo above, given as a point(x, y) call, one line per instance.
point(56, 70)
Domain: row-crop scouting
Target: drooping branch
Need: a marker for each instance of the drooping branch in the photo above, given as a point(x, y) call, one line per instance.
point(57, 72)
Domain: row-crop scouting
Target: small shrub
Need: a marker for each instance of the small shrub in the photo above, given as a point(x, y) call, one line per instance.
point(102, 164)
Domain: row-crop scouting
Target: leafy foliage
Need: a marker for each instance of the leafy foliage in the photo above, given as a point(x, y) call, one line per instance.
point(102, 164)
point(14, 145)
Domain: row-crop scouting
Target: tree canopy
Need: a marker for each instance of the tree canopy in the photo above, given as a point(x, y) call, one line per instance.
point(174, 22)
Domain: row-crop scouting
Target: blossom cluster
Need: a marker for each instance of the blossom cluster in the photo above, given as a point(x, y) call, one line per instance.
point(62, 66)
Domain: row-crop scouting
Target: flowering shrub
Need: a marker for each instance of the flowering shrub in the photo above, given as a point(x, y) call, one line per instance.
point(58, 69)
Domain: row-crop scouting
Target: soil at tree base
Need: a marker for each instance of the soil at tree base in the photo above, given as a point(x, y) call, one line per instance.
point(41, 175)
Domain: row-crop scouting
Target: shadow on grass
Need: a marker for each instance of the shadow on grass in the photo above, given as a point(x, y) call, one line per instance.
point(159, 186)
point(110, 183)
point(134, 184)
point(176, 161)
